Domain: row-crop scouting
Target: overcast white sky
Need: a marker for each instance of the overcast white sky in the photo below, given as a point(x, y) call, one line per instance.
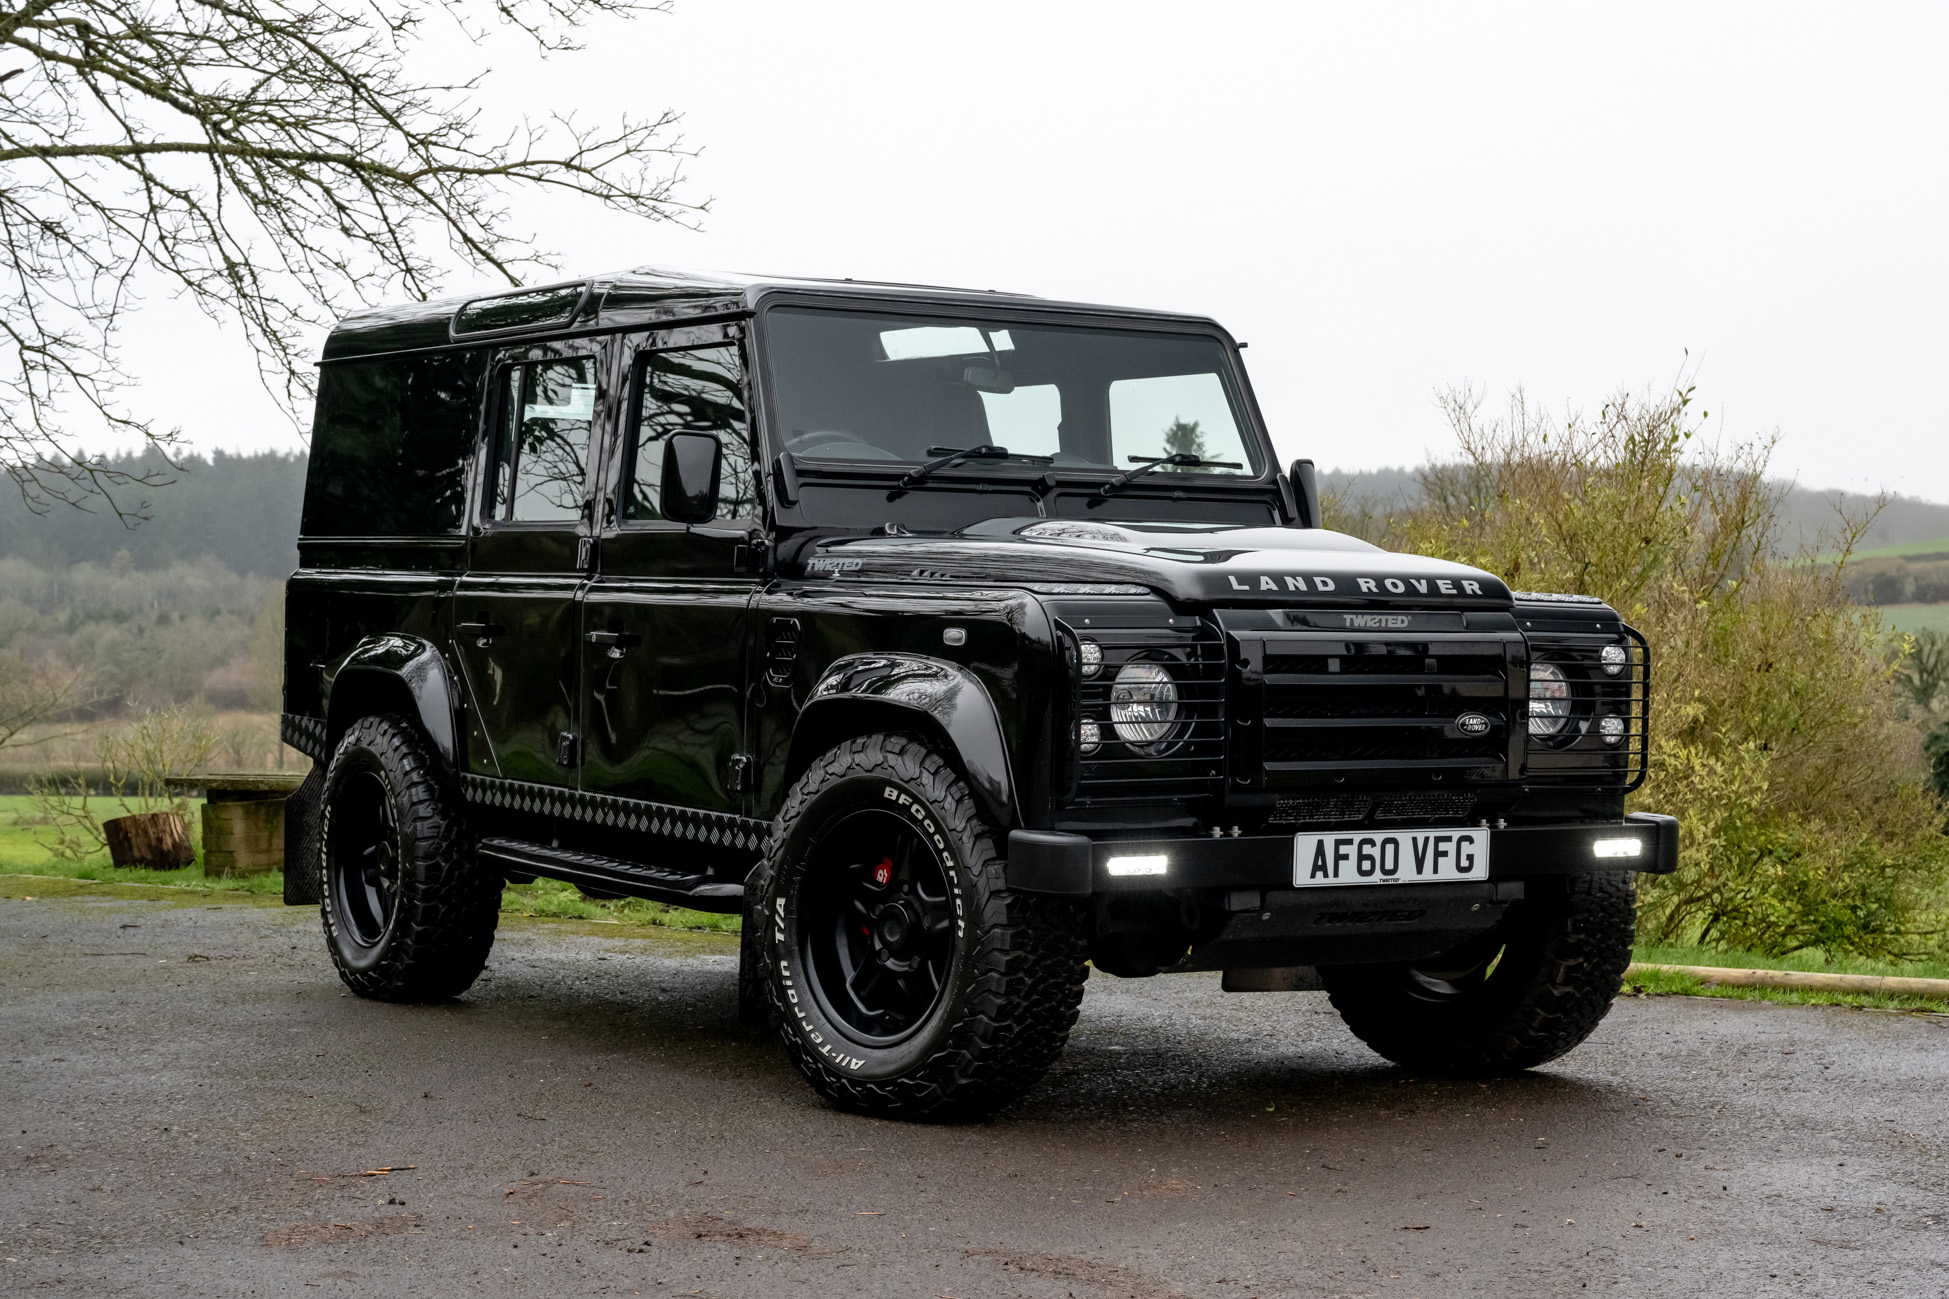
point(1383, 199)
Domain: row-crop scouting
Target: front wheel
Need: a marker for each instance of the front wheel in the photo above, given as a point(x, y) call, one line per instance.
point(903, 976)
point(1520, 995)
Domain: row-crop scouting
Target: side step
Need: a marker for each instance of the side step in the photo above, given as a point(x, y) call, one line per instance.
point(614, 875)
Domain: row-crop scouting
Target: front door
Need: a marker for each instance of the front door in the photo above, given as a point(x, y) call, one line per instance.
point(665, 619)
point(515, 612)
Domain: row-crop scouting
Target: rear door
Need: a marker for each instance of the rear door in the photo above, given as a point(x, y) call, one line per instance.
point(666, 617)
point(515, 619)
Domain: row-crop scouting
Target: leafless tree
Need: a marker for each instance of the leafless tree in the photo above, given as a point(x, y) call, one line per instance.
point(275, 161)
point(33, 694)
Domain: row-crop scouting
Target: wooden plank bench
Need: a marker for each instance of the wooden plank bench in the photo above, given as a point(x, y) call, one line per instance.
point(243, 818)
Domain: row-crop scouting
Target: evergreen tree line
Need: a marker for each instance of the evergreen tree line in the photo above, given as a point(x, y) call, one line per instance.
point(240, 510)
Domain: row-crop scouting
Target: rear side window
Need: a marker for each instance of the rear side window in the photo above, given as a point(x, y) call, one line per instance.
point(694, 390)
point(389, 446)
point(545, 411)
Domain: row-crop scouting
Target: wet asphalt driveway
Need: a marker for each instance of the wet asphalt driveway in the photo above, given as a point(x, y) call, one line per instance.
point(192, 1106)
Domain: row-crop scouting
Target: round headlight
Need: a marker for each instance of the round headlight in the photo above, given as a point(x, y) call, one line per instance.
point(1089, 735)
point(1549, 699)
point(1092, 657)
point(1144, 703)
point(1613, 657)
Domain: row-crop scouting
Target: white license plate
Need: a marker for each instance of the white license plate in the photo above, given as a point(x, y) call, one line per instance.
point(1390, 857)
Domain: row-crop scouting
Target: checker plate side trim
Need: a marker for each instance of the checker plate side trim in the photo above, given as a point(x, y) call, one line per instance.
point(305, 734)
point(637, 816)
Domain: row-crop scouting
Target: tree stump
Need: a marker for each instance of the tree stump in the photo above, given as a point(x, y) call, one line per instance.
point(154, 840)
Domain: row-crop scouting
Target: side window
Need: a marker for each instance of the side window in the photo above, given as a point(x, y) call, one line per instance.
point(695, 390)
point(390, 445)
point(541, 441)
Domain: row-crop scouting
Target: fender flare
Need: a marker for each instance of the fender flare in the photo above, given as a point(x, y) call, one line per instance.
point(392, 663)
point(951, 697)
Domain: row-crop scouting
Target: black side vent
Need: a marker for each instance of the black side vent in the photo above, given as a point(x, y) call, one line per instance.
point(782, 651)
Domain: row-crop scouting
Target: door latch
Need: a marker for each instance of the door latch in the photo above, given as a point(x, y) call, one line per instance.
point(483, 630)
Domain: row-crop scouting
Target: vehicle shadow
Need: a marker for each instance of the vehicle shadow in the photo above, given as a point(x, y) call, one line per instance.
point(1167, 1050)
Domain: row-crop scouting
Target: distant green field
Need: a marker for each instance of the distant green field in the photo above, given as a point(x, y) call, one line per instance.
point(1916, 617)
point(1937, 549)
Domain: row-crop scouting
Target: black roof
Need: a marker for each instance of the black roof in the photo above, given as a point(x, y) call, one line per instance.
point(650, 296)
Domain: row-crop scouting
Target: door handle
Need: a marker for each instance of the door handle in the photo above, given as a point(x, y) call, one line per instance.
point(617, 641)
point(483, 631)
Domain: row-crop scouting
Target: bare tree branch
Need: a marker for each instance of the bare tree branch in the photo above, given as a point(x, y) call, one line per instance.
point(275, 162)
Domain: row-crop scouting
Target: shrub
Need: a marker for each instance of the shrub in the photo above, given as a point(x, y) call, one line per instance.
point(136, 761)
point(1776, 737)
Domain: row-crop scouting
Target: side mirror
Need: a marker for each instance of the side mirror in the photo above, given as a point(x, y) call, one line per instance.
point(692, 465)
point(1306, 486)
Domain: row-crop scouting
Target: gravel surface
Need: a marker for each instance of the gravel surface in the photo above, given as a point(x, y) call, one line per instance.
point(193, 1106)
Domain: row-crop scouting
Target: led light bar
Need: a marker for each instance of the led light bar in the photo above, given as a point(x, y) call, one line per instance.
point(1618, 847)
point(1141, 865)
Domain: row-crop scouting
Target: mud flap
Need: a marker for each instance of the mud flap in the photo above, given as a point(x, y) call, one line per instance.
point(301, 839)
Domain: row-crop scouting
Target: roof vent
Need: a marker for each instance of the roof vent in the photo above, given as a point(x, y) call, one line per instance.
point(557, 304)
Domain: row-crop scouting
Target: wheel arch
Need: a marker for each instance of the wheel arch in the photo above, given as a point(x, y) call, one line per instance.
point(945, 702)
point(396, 674)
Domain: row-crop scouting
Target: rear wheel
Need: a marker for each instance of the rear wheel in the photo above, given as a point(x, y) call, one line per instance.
point(1522, 994)
point(904, 977)
point(408, 913)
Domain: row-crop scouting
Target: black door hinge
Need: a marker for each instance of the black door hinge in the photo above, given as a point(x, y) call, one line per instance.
point(737, 775)
point(568, 749)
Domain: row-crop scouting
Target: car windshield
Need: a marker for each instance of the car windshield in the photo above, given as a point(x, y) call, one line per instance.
point(855, 387)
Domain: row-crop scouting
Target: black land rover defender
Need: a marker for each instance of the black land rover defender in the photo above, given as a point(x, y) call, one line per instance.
point(961, 641)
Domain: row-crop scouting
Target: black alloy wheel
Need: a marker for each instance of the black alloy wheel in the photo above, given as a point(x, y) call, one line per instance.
point(903, 976)
point(364, 852)
point(409, 914)
point(1516, 997)
point(877, 929)
point(1459, 973)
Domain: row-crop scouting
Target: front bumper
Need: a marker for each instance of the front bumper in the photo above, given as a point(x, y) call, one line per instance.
point(1073, 865)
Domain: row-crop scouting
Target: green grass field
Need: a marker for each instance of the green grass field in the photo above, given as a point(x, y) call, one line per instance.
point(1939, 548)
point(24, 860)
point(22, 853)
point(1916, 617)
point(1660, 984)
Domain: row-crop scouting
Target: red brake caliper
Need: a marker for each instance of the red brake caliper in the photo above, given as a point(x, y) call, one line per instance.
point(882, 876)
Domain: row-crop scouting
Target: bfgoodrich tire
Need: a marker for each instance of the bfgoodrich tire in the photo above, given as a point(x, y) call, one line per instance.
point(1522, 994)
point(903, 976)
point(408, 913)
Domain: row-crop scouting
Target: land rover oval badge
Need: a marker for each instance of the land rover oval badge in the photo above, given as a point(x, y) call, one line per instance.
point(1472, 724)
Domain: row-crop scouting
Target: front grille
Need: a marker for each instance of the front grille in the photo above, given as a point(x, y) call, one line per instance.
point(1189, 761)
point(1425, 807)
point(1334, 704)
point(1331, 809)
point(1396, 916)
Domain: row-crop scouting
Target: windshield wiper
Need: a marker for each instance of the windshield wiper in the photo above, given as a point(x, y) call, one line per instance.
point(951, 456)
point(1147, 463)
